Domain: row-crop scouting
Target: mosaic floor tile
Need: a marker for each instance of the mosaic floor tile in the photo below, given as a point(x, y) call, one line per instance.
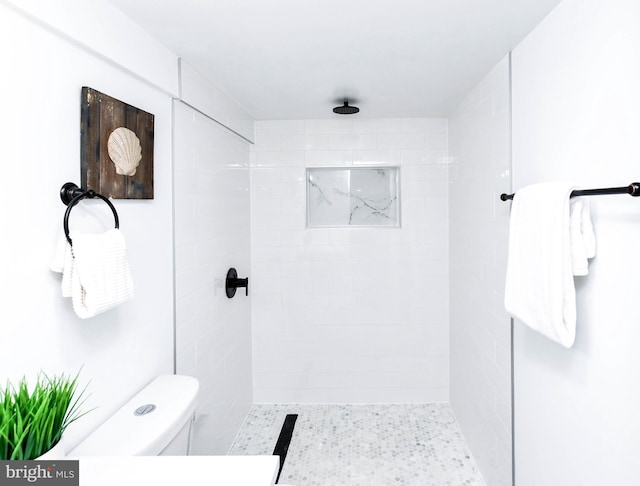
point(364, 445)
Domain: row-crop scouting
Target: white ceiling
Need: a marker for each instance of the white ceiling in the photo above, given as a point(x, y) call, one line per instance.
point(291, 59)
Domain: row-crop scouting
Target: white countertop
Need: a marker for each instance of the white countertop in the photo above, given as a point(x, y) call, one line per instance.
point(191, 470)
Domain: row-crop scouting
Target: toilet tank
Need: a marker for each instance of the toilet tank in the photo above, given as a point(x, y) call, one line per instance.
point(156, 421)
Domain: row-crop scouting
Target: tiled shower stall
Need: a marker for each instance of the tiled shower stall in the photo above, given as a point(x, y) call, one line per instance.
point(338, 315)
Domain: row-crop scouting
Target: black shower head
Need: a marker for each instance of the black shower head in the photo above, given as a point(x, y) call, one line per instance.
point(345, 109)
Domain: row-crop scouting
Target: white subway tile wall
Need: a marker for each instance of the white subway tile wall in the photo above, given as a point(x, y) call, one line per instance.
point(212, 233)
point(352, 315)
point(479, 224)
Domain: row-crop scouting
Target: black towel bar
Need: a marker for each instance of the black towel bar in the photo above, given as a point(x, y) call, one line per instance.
point(632, 189)
point(71, 195)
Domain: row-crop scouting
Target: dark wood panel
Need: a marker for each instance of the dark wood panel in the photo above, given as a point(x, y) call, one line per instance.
point(100, 116)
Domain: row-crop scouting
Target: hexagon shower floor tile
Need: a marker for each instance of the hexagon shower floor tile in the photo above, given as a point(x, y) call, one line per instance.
point(364, 445)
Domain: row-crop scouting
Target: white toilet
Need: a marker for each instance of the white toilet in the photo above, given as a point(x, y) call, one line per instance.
point(155, 422)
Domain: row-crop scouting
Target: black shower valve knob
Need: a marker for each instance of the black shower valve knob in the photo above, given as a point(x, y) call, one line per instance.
point(233, 282)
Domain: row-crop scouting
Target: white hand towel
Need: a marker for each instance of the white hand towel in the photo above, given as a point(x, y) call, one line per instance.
point(583, 243)
point(539, 286)
point(63, 263)
point(96, 273)
point(588, 235)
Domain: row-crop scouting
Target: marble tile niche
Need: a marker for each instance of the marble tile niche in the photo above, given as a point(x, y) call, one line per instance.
point(353, 196)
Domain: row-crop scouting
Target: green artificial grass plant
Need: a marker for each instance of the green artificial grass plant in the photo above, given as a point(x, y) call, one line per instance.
point(32, 423)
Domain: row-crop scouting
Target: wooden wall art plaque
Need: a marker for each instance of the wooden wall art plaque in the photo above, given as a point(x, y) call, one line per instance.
point(116, 147)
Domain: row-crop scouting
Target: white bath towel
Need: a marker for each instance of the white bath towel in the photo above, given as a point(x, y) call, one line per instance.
point(545, 246)
point(95, 271)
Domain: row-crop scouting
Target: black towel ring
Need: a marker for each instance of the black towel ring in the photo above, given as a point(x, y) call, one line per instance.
point(71, 195)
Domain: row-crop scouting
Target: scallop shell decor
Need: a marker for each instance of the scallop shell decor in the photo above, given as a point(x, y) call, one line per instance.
point(125, 151)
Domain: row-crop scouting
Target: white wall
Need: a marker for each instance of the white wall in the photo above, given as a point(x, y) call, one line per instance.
point(107, 33)
point(49, 53)
point(479, 145)
point(576, 101)
point(212, 234)
point(350, 314)
point(197, 91)
point(123, 349)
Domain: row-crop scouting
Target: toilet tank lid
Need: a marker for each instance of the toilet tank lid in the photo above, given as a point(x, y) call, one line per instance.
point(127, 433)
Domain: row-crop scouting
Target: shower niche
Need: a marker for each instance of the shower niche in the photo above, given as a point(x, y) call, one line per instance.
point(353, 196)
